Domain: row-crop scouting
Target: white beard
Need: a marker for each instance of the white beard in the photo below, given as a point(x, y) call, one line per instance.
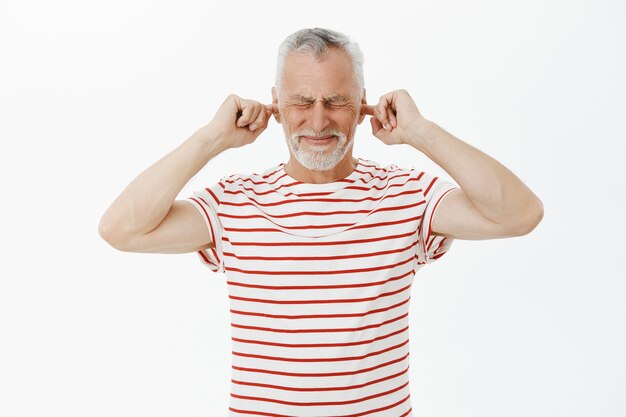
point(318, 157)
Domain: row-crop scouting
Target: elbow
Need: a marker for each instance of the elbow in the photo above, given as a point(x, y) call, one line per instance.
point(107, 233)
point(533, 217)
point(104, 231)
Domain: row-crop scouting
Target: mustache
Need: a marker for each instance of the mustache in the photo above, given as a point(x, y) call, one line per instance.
point(314, 134)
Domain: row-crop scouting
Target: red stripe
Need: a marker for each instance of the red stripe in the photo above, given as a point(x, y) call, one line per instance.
point(305, 360)
point(369, 165)
point(324, 374)
point(320, 403)
point(315, 200)
point(321, 389)
point(377, 409)
point(206, 215)
point(256, 413)
point(362, 226)
point(322, 272)
point(204, 258)
point(319, 258)
point(276, 180)
point(281, 186)
point(387, 177)
point(251, 180)
point(353, 187)
point(432, 182)
point(430, 222)
point(308, 226)
point(369, 187)
point(278, 169)
point(337, 242)
point(320, 316)
point(316, 301)
point(326, 330)
point(315, 345)
point(270, 191)
point(320, 213)
point(290, 184)
point(311, 194)
point(321, 301)
point(213, 195)
point(215, 255)
point(261, 413)
point(318, 287)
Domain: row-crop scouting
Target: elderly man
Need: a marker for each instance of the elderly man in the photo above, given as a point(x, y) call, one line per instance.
point(320, 252)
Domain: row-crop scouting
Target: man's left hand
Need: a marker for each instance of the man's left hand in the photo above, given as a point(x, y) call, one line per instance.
point(395, 118)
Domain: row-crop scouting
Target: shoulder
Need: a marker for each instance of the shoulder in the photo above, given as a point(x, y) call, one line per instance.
point(251, 179)
point(388, 168)
point(378, 174)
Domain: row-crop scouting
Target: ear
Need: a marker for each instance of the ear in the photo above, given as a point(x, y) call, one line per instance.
point(363, 104)
point(275, 104)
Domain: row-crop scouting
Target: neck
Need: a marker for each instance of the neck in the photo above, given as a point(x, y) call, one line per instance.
point(343, 169)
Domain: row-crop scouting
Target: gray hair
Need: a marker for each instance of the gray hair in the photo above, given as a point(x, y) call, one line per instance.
point(317, 42)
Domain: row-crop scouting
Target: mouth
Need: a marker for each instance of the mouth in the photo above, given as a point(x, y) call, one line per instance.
point(319, 140)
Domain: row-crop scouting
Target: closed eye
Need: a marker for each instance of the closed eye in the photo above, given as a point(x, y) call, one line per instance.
point(302, 104)
point(330, 104)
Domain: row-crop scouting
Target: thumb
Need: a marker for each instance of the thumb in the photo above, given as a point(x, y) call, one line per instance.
point(377, 129)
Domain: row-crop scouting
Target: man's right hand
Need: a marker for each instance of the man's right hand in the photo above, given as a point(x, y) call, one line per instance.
point(239, 122)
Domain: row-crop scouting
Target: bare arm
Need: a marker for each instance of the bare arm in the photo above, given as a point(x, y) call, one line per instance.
point(146, 218)
point(149, 198)
point(492, 201)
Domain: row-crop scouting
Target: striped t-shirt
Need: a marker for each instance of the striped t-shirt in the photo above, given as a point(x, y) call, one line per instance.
point(319, 282)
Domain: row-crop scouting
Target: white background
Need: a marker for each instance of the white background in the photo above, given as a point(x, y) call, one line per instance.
point(91, 94)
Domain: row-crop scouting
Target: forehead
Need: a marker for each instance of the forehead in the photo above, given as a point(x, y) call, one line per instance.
point(305, 75)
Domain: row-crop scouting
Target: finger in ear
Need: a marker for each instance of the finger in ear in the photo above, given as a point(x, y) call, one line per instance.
point(392, 118)
point(377, 127)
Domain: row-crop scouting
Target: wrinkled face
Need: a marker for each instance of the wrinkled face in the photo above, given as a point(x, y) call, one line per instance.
point(319, 108)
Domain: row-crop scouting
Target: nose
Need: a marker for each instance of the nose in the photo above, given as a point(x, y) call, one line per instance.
point(319, 117)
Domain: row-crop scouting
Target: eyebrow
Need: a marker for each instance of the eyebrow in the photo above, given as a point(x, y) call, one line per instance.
point(329, 99)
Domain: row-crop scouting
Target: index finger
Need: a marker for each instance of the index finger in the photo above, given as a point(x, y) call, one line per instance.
point(272, 108)
point(367, 109)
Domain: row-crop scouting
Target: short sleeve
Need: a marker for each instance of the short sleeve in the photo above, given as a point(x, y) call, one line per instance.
point(433, 190)
point(207, 202)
